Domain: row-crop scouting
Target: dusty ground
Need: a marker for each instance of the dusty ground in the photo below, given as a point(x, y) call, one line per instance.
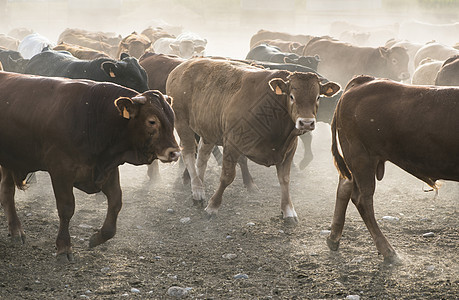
point(153, 250)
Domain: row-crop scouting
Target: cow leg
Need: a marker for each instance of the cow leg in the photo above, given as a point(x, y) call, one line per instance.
point(153, 172)
point(7, 191)
point(65, 202)
point(343, 195)
point(218, 155)
point(112, 190)
point(230, 158)
point(204, 151)
point(364, 178)
point(307, 145)
point(246, 177)
point(188, 142)
point(283, 174)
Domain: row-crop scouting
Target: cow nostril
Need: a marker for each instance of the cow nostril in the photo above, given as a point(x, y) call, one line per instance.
point(301, 123)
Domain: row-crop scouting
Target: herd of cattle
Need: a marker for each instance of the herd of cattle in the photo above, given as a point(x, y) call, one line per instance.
point(95, 100)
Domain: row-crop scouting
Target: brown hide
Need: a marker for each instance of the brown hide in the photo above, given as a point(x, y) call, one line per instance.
point(341, 61)
point(158, 67)
point(81, 52)
point(81, 40)
point(154, 34)
point(448, 75)
point(379, 120)
point(275, 35)
point(9, 42)
point(134, 44)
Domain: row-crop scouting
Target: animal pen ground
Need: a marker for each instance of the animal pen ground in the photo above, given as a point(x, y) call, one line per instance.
point(246, 252)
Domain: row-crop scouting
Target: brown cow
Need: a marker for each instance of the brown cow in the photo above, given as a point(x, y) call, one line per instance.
point(82, 40)
point(134, 44)
point(81, 52)
point(379, 120)
point(110, 38)
point(9, 42)
point(153, 34)
point(251, 112)
point(341, 61)
point(80, 132)
point(284, 46)
point(449, 72)
point(275, 35)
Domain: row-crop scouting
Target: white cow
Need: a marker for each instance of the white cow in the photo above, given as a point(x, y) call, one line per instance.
point(426, 72)
point(435, 51)
point(34, 44)
point(186, 45)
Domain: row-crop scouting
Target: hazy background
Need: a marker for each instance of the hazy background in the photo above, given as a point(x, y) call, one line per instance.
point(227, 24)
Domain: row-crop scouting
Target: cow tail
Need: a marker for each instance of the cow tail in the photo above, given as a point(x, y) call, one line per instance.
point(340, 164)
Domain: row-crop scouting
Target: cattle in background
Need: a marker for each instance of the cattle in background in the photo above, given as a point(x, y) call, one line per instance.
point(434, 50)
point(273, 54)
point(33, 44)
point(153, 34)
point(380, 120)
point(423, 32)
point(226, 103)
point(186, 45)
point(411, 49)
point(284, 46)
point(75, 38)
point(341, 61)
point(426, 72)
point(275, 35)
point(81, 52)
point(20, 33)
point(13, 61)
point(80, 132)
point(355, 37)
point(9, 42)
point(377, 35)
point(448, 74)
point(134, 44)
point(110, 38)
point(126, 72)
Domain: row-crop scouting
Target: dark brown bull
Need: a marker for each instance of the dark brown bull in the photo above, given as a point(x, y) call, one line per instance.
point(341, 61)
point(79, 131)
point(377, 120)
point(251, 112)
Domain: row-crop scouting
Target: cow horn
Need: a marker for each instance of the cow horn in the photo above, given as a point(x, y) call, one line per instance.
point(139, 99)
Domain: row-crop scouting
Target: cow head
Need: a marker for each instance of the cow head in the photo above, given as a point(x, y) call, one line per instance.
point(126, 72)
point(135, 48)
point(302, 92)
point(150, 127)
point(396, 65)
point(187, 48)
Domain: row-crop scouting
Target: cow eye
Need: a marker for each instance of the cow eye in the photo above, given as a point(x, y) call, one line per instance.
point(292, 98)
point(394, 61)
point(152, 122)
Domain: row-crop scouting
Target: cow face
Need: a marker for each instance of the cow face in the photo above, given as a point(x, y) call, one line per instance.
point(136, 48)
point(151, 126)
point(302, 92)
point(126, 72)
point(396, 62)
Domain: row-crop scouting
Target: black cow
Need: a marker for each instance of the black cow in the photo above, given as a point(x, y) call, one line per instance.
point(79, 131)
point(126, 72)
point(273, 54)
point(13, 61)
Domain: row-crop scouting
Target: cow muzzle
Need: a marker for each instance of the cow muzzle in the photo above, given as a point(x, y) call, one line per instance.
point(169, 155)
point(305, 124)
point(404, 76)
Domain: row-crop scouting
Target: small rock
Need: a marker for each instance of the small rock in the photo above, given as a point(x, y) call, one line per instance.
point(250, 224)
point(170, 210)
point(390, 219)
point(176, 291)
point(125, 295)
point(86, 226)
point(352, 297)
point(185, 220)
point(134, 290)
point(157, 257)
point(324, 232)
point(229, 237)
point(28, 214)
point(428, 234)
point(314, 254)
point(241, 276)
point(139, 227)
point(281, 231)
point(430, 268)
point(105, 269)
point(88, 292)
point(229, 256)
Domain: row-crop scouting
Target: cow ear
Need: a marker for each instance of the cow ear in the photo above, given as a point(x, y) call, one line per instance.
point(329, 89)
point(279, 86)
point(109, 68)
point(174, 47)
point(124, 55)
point(126, 107)
point(199, 49)
point(383, 51)
point(317, 57)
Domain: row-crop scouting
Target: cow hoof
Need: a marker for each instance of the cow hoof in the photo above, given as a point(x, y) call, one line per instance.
point(18, 239)
point(252, 188)
point(211, 212)
point(65, 258)
point(393, 260)
point(199, 194)
point(95, 240)
point(332, 245)
point(291, 221)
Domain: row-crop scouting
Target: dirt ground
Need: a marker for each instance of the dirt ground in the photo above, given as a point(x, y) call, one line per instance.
point(155, 248)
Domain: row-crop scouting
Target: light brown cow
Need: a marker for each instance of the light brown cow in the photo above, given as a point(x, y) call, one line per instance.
point(82, 40)
point(275, 35)
point(426, 72)
point(153, 34)
point(134, 44)
point(449, 72)
point(80, 51)
point(379, 120)
point(341, 61)
point(9, 42)
point(110, 38)
point(251, 112)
